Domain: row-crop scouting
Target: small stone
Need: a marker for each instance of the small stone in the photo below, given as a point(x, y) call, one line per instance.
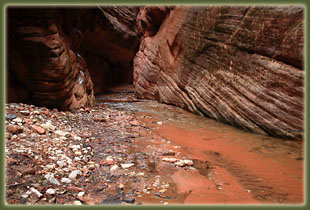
point(113, 168)
point(38, 129)
point(219, 184)
point(14, 129)
point(18, 120)
point(51, 191)
point(75, 189)
point(165, 185)
point(26, 113)
point(162, 190)
point(159, 123)
point(77, 138)
point(81, 194)
point(75, 147)
point(91, 167)
point(77, 159)
point(48, 125)
point(10, 116)
point(51, 179)
point(170, 160)
point(26, 195)
point(22, 135)
point(132, 173)
point(182, 163)
point(50, 166)
point(46, 112)
point(36, 192)
point(109, 162)
point(140, 174)
point(166, 152)
point(129, 200)
point(59, 151)
point(61, 163)
point(127, 165)
point(109, 158)
point(121, 186)
point(74, 174)
point(28, 121)
point(62, 138)
point(19, 108)
point(78, 152)
point(62, 133)
point(66, 180)
point(219, 187)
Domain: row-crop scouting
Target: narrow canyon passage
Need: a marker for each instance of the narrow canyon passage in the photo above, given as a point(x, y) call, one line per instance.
point(130, 151)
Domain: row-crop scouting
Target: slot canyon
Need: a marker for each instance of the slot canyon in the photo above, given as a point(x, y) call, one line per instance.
point(164, 105)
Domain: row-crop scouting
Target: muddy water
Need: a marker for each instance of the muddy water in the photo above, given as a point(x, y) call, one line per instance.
point(231, 166)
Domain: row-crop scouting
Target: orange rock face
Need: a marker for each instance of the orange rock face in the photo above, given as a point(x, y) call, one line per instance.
point(235, 64)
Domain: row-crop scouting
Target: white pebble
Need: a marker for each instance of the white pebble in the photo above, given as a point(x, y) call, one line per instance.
point(113, 168)
point(81, 194)
point(127, 165)
point(66, 180)
point(35, 191)
point(51, 191)
point(51, 179)
point(61, 163)
point(74, 174)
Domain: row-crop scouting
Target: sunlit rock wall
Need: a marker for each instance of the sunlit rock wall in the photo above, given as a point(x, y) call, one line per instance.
point(239, 65)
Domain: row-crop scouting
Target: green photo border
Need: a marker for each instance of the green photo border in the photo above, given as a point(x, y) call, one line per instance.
point(4, 3)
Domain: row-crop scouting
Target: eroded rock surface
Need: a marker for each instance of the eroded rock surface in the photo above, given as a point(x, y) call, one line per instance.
point(110, 42)
point(68, 46)
point(234, 64)
point(43, 67)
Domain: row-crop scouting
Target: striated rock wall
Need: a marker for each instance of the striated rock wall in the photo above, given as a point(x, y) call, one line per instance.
point(110, 42)
point(239, 65)
point(60, 57)
point(43, 65)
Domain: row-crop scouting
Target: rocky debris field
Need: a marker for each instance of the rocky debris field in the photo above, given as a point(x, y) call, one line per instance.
point(99, 155)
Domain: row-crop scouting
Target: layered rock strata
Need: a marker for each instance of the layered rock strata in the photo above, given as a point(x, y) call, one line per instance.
point(239, 65)
point(110, 42)
point(43, 66)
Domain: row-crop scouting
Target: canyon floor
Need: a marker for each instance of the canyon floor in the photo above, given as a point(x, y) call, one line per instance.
point(135, 152)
